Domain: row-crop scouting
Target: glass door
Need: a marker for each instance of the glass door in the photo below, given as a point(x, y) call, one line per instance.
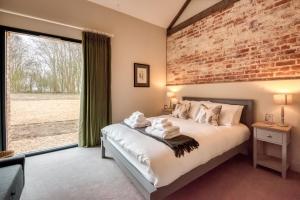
point(43, 78)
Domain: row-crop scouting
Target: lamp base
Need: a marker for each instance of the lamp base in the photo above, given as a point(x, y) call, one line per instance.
point(282, 125)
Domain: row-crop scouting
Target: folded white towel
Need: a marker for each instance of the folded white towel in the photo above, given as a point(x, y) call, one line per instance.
point(162, 126)
point(163, 134)
point(159, 120)
point(137, 114)
point(137, 118)
point(134, 124)
point(168, 129)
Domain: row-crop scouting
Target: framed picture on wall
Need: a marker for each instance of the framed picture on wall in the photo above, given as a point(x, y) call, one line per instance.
point(141, 75)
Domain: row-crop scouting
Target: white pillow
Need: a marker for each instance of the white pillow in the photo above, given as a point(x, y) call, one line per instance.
point(195, 108)
point(237, 116)
point(230, 114)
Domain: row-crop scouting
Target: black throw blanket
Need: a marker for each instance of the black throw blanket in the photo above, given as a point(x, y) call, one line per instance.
point(179, 144)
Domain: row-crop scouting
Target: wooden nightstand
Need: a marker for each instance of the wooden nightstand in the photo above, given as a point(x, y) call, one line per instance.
point(166, 111)
point(273, 134)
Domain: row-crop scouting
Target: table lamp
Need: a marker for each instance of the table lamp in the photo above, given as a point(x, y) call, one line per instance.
point(282, 99)
point(170, 95)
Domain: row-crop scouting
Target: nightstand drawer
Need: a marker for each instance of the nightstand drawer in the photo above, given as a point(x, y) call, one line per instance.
point(269, 136)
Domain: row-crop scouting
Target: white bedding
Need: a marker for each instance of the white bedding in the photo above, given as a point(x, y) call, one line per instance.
point(157, 162)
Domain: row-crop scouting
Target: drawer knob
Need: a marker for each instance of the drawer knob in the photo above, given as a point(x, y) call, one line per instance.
point(269, 136)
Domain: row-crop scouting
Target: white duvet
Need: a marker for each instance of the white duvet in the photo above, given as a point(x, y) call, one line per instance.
point(157, 162)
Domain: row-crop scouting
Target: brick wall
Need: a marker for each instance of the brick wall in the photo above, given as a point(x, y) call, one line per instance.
point(252, 40)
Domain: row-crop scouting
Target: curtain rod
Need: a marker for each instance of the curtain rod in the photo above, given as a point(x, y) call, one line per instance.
point(55, 22)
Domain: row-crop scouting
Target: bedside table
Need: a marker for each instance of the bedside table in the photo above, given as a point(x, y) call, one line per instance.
point(273, 134)
point(166, 111)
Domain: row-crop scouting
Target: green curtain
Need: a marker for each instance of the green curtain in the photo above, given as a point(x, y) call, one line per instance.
point(95, 103)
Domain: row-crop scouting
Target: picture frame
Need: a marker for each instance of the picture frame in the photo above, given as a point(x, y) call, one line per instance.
point(141, 75)
point(269, 118)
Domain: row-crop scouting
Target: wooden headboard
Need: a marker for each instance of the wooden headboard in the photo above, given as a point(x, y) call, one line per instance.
point(247, 117)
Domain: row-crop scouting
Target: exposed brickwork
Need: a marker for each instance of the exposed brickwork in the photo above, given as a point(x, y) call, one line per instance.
point(252, 40)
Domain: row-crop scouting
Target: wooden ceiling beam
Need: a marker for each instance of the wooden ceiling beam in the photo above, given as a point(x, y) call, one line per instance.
point(183, 7)
point(215, 8)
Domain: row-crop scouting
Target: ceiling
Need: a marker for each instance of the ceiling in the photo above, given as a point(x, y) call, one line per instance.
point(158, 12)
point(194, 7)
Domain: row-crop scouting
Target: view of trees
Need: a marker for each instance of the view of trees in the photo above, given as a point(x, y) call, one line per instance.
point(43, 65)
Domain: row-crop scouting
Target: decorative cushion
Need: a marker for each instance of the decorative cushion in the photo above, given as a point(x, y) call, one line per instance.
point(209, 115)
point(182, 110)
point(195, 107)
point(230, 114)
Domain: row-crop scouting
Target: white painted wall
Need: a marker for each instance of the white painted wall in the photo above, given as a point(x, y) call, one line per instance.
point(134, 41)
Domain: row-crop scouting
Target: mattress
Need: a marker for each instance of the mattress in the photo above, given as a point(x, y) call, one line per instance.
point(157, 162)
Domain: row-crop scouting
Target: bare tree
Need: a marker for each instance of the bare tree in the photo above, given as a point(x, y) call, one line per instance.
point(44, 64)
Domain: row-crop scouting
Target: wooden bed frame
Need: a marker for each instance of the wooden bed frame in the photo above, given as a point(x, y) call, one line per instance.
point(148, 190)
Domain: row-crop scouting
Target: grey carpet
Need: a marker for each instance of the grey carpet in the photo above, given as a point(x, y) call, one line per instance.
point(80, 173)
point(77, 173)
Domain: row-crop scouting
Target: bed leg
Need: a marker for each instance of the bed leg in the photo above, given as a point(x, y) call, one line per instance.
point(102, 149)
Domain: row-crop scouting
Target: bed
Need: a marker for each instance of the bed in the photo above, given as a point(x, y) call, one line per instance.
point(156, 172)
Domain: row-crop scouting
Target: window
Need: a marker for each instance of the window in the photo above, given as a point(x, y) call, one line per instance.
point(43, 80)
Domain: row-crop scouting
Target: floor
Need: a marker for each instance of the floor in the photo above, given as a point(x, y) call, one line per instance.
point(80, 173)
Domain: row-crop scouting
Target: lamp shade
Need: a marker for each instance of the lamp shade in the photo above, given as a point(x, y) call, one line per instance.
point(170, 94)
point(282, 99)
point(174, 100)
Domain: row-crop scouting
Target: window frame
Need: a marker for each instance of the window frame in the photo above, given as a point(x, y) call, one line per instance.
point(3, 131)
